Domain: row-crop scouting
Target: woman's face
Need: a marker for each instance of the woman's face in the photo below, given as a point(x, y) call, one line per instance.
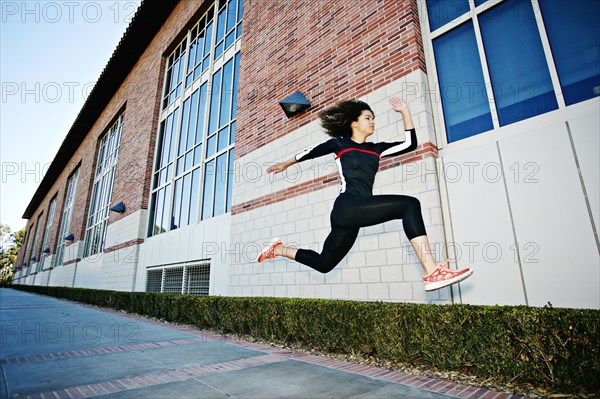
point(365, 123)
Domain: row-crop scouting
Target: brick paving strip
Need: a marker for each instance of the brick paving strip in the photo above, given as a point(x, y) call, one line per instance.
point(151, 379)
point(273, 355)
point(99, 351)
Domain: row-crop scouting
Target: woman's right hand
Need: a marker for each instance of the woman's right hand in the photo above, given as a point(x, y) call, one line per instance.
point(277, 168)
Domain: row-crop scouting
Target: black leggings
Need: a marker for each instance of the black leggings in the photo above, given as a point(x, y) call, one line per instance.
point(350, 213)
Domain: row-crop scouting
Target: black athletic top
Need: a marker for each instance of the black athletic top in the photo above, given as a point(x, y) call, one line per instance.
point(358, 162)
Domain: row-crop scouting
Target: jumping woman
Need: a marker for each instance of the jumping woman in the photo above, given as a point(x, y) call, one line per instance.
point(350, 123)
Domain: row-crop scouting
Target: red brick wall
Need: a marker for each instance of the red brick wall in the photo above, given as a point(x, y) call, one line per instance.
point(139, 96)
point(329, 50)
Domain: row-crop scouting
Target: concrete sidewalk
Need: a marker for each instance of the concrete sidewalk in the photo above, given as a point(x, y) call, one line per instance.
point(51, 348)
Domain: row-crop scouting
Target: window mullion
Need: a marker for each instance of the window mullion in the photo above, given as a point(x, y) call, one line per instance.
point(178, 124)
point(548, 53)
point(171, 182)
point(207, 116)
point(484, 66)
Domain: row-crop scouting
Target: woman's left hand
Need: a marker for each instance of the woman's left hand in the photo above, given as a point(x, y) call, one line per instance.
point(398, 104)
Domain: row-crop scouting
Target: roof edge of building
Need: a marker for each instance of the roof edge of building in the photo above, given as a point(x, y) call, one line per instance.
point(146, 22)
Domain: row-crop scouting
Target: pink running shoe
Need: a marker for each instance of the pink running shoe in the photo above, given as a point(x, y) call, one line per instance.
point(269, 252)
point(442, 276)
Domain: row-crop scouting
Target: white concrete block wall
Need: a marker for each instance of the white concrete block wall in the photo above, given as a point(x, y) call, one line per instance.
point(118, 269)
point(129, 228)
point(381, 264)
point(72, 251)
point(87, 274)
point(63, 276)
point(42, 278)
point(209, 241)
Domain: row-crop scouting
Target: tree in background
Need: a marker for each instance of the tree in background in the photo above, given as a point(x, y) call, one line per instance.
point(10, 243)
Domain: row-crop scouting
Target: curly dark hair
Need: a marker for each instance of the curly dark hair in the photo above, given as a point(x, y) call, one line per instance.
point(336, 120)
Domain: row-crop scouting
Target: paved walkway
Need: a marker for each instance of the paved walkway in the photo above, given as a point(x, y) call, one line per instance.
point(51, 348)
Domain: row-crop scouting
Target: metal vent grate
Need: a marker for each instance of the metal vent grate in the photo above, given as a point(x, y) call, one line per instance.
point(198, 279)
point(189, 279)
point(154, 280)
point(173, 280)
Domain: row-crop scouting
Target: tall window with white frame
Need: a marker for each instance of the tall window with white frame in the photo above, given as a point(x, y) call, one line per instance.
point(106, 164)
point(49, 221)
point(27, 251)
point(503, 61)
point(35, 257)
point(193, 171)
point(65, 224)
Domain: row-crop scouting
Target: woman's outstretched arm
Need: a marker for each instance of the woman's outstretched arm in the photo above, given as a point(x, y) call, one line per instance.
point(408, 145)
point(281, 166)
point(400, 105)
point(319, 150)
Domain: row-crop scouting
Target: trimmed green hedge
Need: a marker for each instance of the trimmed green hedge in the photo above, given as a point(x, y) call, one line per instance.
point(545, 347)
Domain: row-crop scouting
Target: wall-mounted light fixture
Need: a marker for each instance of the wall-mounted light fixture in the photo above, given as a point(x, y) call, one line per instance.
point(120, 208)
point(24, 264)
point(70, 237)
point(294, 104)
point(33, 259)
point(46, 250)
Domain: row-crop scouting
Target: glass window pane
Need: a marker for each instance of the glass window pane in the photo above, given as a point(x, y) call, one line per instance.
point(479, 2)
point(165, 211)
point(190, 68)
point(221, 25)
point(220, 184)
point(223, 139)
point(198, 154)
point(152, 223)
point(191, 133)
point(189, 159)
point(176, 220)
point(192, 54)
point(166, 140)
point(157, 180)
point(574, 34)
point(441, 12)
point(219, 49)
point(209, 184)
point(194, 191)
point(231, 15)
point(516, 61)
point(185, 200)
point(172, 134)
point(158, 208)
point(184, 126)
point(208, 40)
point(226, 93)
point(201, 113)
point(214, 103)
point(159, 145)
point(211, 146)
point(181, 72)
point(240, 9)
point(464, 97)
point(229, 39)
point(200, 52)
point(174, 75)
point(180, 165)
point(232, 136)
